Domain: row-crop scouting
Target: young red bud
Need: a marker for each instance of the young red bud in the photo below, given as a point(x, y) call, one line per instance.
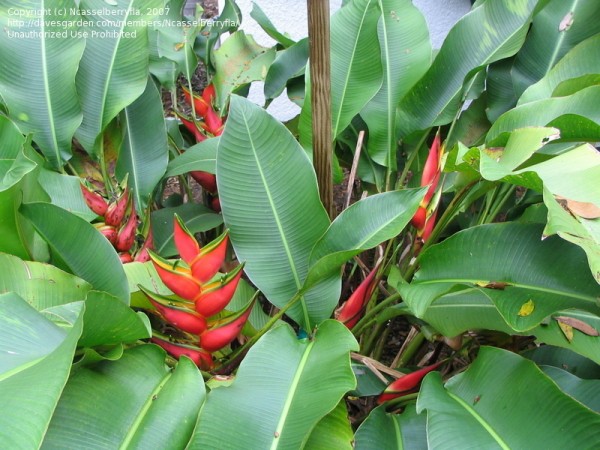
point(352, 309)
point(116, 210)
point(185, 241)
point(108, 231)
point(406, 384)
point(224, 331)
point(207, 180)
point(201, 358)
point(95, 201)
point(216, 296)
point(142, 254)
point(207, 263)
point(126, 236)
point(125, 257)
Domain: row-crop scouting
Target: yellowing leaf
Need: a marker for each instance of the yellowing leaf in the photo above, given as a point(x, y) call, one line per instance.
point(567, 330)
point(526, 308)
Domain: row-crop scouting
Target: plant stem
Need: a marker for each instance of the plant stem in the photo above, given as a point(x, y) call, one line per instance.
point(358, 328)
point(411, 348)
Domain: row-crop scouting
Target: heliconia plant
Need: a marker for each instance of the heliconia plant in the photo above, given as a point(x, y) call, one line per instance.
point(351, 310)
point(201, 297)
point(406, 384)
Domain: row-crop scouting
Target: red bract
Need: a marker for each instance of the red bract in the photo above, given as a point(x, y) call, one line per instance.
point(95, 201)
point(201, 358)
point(126, 236)
point(115, 213)
point(351, 311)
point(407, 384)
point(216, 296)
point(207, 180)
point(224, 331)
point(177, 314)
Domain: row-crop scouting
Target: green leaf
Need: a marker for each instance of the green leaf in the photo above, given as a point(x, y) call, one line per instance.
point(278, 408)
point(239, 61)
point(472, 407)
point(564, 359)
point(490, 32)
point(197, 218)
point(392, 431)
point(261, 18)
point(576, 116)
point(527, 278)
point(582, 60)
point(364, 225)
point(38, 86)
point(144, 155)
point(558, 27)
point(498, 162)
point(65, 191)
point(405, 57)
point(288, 64)
point(113, 71)
point(137, 403)
point(34, 366)
point(500, 89)
point(201, 156)
point(584, 391)
point(332, 431)
point(270, 203)
point(93, 259)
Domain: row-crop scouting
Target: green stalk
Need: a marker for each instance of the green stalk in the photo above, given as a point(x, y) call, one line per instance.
point(411, 348)
point(510, 189)
point(107, 184)
point(361, 324)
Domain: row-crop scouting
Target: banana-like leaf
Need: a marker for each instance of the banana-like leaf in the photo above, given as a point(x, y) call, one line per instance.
point(490, 32)
point(93, 259)
point(197, 218)
point(201, 156)
point(473, 406)
point(356, 72)
point(278, 408)
point(65, 191)
point(137, 403)
point(34, 367)
point(576, 116)
point(288, 64)
point(557, 28)
point(270, 203)
point(38, 85)
point(239, 61)
point(527, 278)
point(362, 226)
point(332, 431)
point(581, 64)
point(405, 57)
point(500, 89)
point(145, 154)
point(392, 431)
point(584, 391)
point(261, 18)
point(114, 67)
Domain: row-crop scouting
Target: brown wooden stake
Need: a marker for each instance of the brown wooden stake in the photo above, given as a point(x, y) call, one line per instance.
point(320, 75)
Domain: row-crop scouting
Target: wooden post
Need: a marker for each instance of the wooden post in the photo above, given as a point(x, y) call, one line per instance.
point(320, 76)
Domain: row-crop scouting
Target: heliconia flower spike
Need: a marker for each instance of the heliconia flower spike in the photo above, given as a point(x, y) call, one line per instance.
point(420, 217)
point(216, 296)
point(201, 358)
point(432, 164)
point(176, 313)
point(209, 93)
point(215, 204)
point(142, 254)
point(406, 384)
point(207, 263)
point(116, 210)
point(207, 180)
point(178, 279)
point(350, 312)
point(108, 231)
point(213, 122)
point(192, 127)
point(126, 236)
point(429, 225)
point(224, 331)
point(200, 104)
point(125, 257)
point(185, 241)
point(94, 200)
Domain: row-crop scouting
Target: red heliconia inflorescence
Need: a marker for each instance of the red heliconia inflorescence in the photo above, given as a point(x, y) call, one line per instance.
point(424, 218)
point(208, 123)
point(352, 309)
point(119, 221)
point(407, 384)
point(200, 298)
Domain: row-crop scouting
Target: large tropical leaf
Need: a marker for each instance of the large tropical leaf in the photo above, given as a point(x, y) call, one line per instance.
point(289, 63)
point(279, 407)
point(270, 203)
point(332, 431)
point(490, 32)
point(364, 225)
point(504, 401)
point(202, 156)
point(527, 278)
point(35, 361)
point(114, 67)
point(138, 402)
point(41, 56)
point(584, 391)
point(261, 18)
point(93, 259)
point(145, 153)
point(65, 191)
point(405, 57)
point(392, 431)
point(558, 27)
point(581, 64)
